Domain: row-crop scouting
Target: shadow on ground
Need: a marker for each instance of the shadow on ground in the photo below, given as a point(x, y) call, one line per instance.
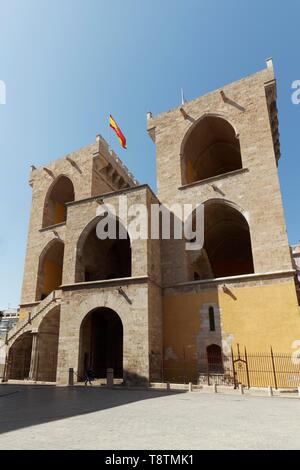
point(23, 406)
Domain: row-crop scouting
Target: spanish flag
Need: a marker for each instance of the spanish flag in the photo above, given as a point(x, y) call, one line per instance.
point(118, 131)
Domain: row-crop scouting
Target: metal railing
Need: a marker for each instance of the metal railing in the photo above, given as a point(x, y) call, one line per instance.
point(278, 370)
point(40, 308)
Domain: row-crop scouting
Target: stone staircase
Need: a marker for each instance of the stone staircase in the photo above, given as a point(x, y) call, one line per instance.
point(35, 316)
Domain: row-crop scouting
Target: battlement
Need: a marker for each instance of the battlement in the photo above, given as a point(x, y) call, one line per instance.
point(109, 172)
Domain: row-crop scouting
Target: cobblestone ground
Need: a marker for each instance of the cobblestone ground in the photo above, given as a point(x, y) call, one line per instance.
point(94, 418)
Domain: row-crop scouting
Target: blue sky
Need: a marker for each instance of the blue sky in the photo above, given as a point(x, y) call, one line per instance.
point(67, 64)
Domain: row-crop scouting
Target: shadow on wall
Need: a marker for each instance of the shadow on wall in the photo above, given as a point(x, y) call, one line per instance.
point(23, 406)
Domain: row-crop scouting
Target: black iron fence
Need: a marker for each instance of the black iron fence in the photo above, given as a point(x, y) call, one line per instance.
point(278, 370)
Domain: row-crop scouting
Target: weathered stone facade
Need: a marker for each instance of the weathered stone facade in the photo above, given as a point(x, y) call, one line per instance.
point(171, 304)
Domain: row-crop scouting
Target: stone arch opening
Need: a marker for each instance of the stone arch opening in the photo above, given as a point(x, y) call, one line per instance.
point(210, 148)
point(19, 358)
point(227, 249)
point(101, 343)
point(99, 260)
point(59, 194)
point(47, 347)
point(50, 269)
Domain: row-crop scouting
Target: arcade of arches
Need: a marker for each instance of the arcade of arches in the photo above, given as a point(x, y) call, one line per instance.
point(34, 354)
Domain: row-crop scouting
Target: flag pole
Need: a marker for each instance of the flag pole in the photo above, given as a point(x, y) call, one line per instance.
point(109, 138)
point(182, 97)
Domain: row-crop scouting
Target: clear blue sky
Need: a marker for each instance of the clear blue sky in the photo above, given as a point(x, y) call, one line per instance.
point(68, 63)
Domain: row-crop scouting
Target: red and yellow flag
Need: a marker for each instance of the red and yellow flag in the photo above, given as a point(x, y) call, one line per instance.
point(118, 131)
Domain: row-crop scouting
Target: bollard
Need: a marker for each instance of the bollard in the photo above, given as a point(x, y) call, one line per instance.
point(241, 389)
point(190, 387)
point(168, 386)
point(215, 388)
point(110, 378)
point(71, 377)
point(298, 391)
point(270, 391)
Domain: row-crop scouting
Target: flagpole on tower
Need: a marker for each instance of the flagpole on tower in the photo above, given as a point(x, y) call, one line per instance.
point(182, 98)
point(109, 139)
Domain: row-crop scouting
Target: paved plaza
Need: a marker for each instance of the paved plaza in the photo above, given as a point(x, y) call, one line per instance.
point(41, 417)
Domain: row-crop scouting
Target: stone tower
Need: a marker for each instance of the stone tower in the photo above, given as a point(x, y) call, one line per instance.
point(222, 150)
point(149, 308)
point(86, 302)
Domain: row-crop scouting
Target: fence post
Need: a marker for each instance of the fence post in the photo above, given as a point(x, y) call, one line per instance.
point(247, 369)
point(233, 370)
point(207, 370)
point(274, 370)
point(71, 377)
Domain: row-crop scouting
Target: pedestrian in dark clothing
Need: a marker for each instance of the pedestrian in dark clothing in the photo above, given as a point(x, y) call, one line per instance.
point(89, 377)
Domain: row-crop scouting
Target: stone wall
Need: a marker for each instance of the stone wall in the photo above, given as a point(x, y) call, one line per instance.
point(133, 312)
point(254, 190)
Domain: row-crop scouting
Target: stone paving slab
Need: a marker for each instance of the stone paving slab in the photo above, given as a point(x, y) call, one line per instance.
point(41, 417)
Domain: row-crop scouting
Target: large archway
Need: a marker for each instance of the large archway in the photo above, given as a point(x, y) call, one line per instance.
point(50, 269)
point(210, 148)
point(59, 194)
point(101, 343)
point(99, 260)
point(227, 247)
point(47, 348)
point(19, 358)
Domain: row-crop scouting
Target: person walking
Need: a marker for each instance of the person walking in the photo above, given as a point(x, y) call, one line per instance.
point(89, 377)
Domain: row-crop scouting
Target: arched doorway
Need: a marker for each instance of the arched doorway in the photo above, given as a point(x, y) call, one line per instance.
point(227, 247)
point(214, 358)
point(98, 259)
point(50, 269)
point(47, 349)
point(101, 343)
point(19, 358)
point(59, 194)
point(210, 148)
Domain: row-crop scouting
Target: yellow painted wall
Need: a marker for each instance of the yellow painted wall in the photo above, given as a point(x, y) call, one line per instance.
point(262, 316)
point(258, 317)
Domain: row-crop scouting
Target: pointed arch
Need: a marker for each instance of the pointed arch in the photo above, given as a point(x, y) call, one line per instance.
point(98, 259)
point(58, 195)
point(209, 148)
point(227, 249)
point(19, 357)
point(47, 346)
point(50, 268)
point(101, 343)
